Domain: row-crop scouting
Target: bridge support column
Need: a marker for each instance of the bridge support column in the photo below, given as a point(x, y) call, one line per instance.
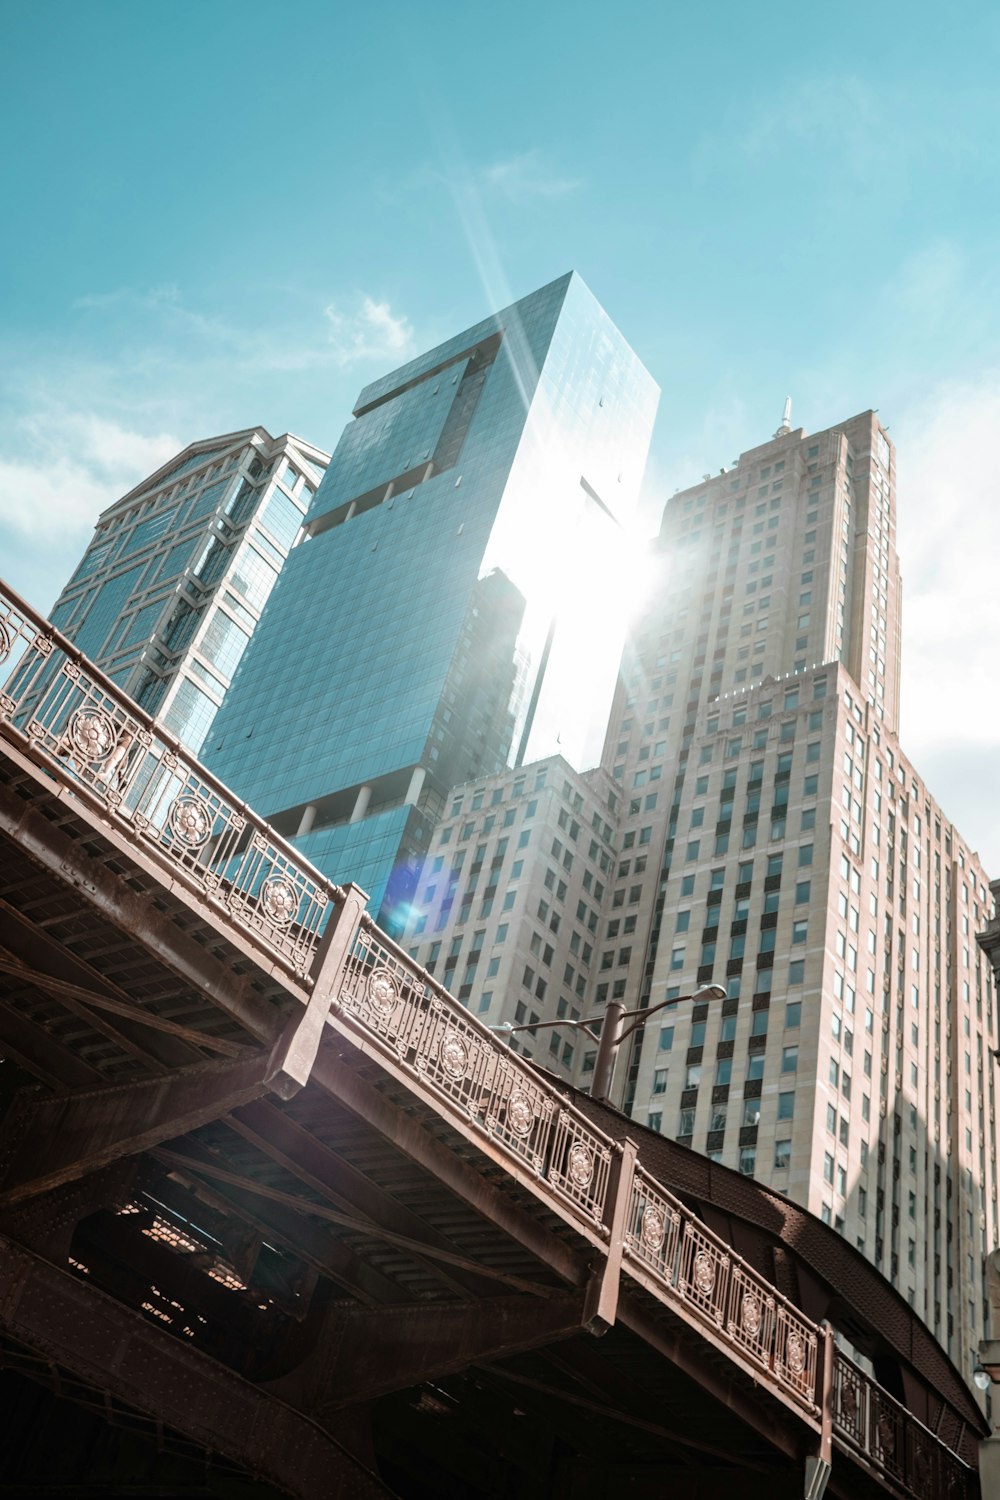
point(818, 1464)
point(296, 1050)
point(602, 1294)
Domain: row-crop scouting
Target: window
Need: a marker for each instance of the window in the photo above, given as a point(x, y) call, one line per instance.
point(723, 1071)
point(789, 1059)
point(782, 1154)
point(659, 1080)
point(786, 1104)
point(748, 1160)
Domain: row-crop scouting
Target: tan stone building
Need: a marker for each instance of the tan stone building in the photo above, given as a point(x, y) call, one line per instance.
point(787, 849)
point(508, 911)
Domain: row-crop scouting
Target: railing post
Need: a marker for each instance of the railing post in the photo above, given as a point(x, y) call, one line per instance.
point(296, 1048)
point(818, 1464)
point(601, 1303)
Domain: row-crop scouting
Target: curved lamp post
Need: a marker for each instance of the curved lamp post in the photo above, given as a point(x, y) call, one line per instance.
point(613, 1031)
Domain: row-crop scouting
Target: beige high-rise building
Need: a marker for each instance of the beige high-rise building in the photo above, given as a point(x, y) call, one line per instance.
point(775, 839)
point(508, 911)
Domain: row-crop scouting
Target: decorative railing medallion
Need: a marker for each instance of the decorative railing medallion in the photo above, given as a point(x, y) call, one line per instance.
point(76, 718)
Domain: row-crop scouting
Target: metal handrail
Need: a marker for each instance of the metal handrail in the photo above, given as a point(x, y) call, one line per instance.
point(142, 775)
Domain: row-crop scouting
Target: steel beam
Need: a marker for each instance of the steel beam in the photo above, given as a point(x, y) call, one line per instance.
point(305, 1206)
point(316, 1245)
point(118, 1351)
point(46, 1141)
point(361, 1353)
point(42, 1055)
point(279, 1137)
point(47, 1222)
point(819, 1463)
point(338, 1073)
point(62, 990)
point(136, 913)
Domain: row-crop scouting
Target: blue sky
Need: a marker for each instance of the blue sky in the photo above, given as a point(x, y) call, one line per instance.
point(221, 214)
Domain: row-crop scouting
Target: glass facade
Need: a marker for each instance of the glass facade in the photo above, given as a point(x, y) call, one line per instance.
point(446, 610)
point(170, 589)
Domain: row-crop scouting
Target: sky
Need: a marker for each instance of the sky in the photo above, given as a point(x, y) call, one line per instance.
point(224, 213)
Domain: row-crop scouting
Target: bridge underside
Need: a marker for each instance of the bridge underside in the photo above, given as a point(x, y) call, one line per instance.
point(216, 1283)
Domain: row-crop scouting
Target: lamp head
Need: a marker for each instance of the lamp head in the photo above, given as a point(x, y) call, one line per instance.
point(710, 992)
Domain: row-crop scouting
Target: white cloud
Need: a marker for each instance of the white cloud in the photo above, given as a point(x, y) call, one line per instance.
point(949, 545)
point(371, 331)
point(71, 465)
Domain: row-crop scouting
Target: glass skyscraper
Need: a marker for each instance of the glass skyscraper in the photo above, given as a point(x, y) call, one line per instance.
point(446, 611)
point(171, 587)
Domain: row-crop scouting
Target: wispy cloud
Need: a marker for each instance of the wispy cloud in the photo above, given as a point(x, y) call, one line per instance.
point(517, 177)
point(818, 111)
point(371, 331)
point(526, 175)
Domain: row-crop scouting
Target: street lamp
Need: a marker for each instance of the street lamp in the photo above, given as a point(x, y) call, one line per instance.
point(613, 1032)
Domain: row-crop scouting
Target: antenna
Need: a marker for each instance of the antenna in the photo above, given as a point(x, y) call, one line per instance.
point(786, 420)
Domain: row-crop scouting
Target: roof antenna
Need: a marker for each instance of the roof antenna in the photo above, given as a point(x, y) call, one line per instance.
point(786, 421)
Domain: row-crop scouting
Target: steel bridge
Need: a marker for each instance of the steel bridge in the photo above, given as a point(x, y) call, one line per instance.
point(278, 1216)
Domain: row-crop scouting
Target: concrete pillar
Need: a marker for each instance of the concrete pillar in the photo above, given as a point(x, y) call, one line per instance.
point(361, 804)
point(307, 819)
point(416, 786)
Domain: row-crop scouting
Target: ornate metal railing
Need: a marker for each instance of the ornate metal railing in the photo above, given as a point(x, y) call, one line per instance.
point(453, 1054)
point(55, 700)
point(506, 1099)
point(145, 779)
point(695, 1267)
point(867, 1419)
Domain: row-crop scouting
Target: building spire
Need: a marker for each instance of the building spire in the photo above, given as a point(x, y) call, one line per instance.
point(786, 421)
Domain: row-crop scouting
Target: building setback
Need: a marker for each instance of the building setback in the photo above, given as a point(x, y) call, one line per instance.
point(476, 496)
point(172, 585)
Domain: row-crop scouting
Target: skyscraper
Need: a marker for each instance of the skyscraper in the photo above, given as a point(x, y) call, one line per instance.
point(776, 839)
point(478, 498)
point(172, 585)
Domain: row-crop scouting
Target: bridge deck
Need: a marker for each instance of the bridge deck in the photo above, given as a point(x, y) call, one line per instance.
point(277, 1196)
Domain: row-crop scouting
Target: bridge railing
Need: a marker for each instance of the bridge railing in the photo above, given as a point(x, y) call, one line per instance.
point(526, 1119)
point(696, 1268)
point(869, 1420)
point(460, 1060)
point(145, 778)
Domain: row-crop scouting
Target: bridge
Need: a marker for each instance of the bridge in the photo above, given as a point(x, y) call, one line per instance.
point(279, 1216)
